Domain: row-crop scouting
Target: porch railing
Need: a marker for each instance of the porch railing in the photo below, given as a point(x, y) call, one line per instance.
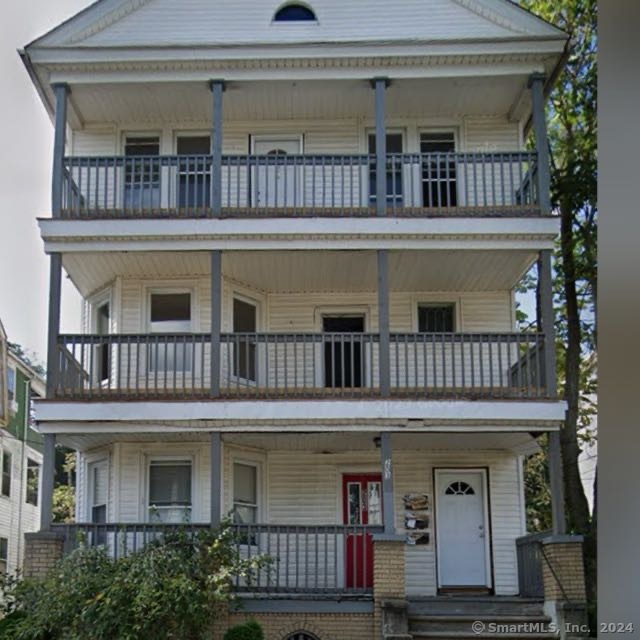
point(330, 559)
point(300, 365)
point(529, 552)
point(428, 184)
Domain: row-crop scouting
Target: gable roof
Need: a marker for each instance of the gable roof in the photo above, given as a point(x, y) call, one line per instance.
point(166, 23)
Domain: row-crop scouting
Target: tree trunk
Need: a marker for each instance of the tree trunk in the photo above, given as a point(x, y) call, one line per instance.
point(576, 502)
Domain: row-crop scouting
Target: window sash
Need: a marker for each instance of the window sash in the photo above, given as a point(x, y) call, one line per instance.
point(6, 473)
point(436, 318)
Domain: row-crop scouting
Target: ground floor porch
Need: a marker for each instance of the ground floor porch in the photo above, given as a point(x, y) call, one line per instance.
point(317, 502)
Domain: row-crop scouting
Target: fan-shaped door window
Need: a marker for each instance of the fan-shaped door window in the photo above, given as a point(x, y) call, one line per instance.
point(459, 489)
point(294, 12)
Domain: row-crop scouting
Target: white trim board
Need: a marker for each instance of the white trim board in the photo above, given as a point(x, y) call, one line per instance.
point(334, 410)
point(298, 233)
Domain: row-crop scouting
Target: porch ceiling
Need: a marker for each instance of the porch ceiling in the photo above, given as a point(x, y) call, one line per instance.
point(190, 102)
point(312, 271)
point(324, 443)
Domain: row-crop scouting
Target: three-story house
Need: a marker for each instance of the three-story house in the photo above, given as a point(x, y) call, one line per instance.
point(297, 230)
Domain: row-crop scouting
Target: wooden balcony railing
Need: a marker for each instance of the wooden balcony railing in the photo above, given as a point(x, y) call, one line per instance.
point(318, 559)
point(417, 184)
point(300, 365)
point(529, 551)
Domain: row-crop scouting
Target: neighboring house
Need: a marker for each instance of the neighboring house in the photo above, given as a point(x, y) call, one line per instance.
point(20, 454)
point(298, 230)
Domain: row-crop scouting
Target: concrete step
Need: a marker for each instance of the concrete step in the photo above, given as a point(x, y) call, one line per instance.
point(463, 635)
point(475, 606)
point(465, 623)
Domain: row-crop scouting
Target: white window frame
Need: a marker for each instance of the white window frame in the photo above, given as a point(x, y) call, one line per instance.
point(148, 133)
point(170, 288)
point(3, 452)
point(4, 562)
point(89, 464)
point(437, 303)
point(176, 459)
point(348, 312)
point(457, 147)
point(428, 300)
point(12, 392)
point(257, 301)
point(258, 465)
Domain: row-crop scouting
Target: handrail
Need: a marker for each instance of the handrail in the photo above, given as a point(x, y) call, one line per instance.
point(451, 183)
point(278, 365)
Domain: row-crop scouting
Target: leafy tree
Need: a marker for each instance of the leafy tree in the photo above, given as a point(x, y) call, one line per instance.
point(573, 145)
point(166, 591)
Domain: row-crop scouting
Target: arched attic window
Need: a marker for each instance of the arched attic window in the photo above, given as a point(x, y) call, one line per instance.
point(294, 12)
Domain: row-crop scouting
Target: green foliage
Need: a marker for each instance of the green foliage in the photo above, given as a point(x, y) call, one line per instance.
point(536, 488)
point(167, 591)
point(64, 503)
point(248, 631)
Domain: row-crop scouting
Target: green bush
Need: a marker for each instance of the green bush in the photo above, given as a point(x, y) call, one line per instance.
point(166, 591)
point(248, 631)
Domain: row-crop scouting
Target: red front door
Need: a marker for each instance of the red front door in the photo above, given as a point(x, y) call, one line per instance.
point(362, 504)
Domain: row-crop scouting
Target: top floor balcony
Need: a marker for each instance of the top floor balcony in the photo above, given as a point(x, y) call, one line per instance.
point(282, 183)
point(423, 148)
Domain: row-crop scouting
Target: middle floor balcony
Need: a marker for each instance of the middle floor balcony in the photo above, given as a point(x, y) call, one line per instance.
point(331, 364)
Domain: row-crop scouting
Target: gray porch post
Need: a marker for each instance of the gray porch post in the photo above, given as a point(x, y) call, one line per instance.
point(216, 320)
point(61, 91)
point(536, 84)
point(48, 480)
point(555, 457)
point(388, 513)
point(384, 358)
point(380, 85)
point(217, 87)
point(216, 478)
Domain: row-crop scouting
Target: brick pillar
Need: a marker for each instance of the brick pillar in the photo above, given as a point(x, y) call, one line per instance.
point(565, 595)
point(390, 606)
point(42, 549)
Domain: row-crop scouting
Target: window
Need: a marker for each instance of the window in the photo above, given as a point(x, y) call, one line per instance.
point(142, 172)
point(459, 489)
point(4, 554)
point(98, 491)
point(436, 318)
point(33, 480)
point(295, 13)
point(245, 493)
point(11, 383)
point(6, 473)
point(102, 352)
point(438, 170)
point(194, 175)
point(394, 169)
point(244, 322)
point(170, 491)
point(301, 635)
point(170, 313)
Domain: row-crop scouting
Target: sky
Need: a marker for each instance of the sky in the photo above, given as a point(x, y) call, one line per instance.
point(25, 180)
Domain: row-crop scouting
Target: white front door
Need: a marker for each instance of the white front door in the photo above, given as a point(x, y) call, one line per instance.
point(276, 182)
point(462, 536)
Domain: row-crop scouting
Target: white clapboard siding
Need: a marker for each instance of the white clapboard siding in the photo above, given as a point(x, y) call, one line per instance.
point(445, 365)
point(197, 21)
point(16, 516)
point(305, 488)
point(493, 181)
